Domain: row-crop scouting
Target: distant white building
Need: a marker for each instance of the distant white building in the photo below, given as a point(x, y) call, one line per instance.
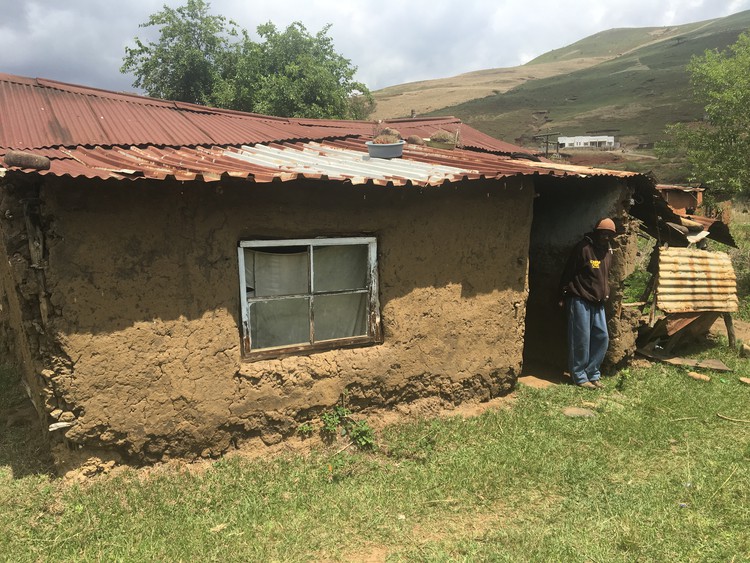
point(584, 141)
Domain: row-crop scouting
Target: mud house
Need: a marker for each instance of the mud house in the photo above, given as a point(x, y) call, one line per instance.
point(176, 279)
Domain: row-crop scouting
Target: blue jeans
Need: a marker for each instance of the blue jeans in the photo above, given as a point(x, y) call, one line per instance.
point(587, 339)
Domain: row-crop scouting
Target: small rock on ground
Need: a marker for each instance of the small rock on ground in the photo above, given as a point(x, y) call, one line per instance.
point(698, 376)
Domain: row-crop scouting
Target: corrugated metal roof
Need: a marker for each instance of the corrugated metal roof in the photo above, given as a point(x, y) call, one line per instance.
point(717, 229)
point(695, 280)
point(674, 187)
point(91, 133)
point(343, 160)
point(39, 113)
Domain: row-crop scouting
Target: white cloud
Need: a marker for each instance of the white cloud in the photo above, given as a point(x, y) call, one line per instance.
point(390, 42)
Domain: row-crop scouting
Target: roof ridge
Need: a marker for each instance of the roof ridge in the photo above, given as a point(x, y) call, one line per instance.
point(131, 97)
point(134, 97)
point(47, 113)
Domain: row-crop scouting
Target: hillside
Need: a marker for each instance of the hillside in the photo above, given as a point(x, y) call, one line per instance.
point(431, 95)
point(631, 82)
point(616, 42)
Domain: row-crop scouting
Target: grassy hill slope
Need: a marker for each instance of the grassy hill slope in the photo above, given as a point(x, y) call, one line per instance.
point(631, 82)
point(616, 42)
point(430, 95)
point(634, 94)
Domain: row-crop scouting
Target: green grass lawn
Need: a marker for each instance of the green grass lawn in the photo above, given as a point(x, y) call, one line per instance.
point(655, 475)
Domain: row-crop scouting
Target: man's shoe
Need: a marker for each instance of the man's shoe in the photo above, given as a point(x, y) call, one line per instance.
point(587, 385)
point(598, 384)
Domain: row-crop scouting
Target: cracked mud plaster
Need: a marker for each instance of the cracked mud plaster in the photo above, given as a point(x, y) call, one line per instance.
point(623, 322)
point(144, 307)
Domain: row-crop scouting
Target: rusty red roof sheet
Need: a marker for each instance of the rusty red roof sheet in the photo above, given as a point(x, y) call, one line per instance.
point(717, 229)
point(39, 114)
point(695, 280)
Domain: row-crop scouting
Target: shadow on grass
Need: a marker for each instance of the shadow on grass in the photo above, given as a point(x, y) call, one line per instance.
point(23, 447)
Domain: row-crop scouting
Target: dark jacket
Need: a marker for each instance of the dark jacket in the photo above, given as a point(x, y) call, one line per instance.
point(586, 273)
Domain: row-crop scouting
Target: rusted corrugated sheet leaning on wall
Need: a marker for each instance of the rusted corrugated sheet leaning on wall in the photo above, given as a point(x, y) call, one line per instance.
point(695, 280)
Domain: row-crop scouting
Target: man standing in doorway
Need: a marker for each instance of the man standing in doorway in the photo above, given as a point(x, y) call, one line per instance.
point(584, 287)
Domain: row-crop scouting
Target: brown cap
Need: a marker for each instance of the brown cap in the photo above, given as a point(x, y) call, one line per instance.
point(606, 225)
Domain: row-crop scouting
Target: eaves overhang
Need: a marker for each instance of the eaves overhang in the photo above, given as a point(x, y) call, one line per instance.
point(344, 160)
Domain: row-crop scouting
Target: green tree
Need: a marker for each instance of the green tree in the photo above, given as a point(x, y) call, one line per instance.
point(302, 75)
point(209, 60)
point(718, 148)
point(189, 57)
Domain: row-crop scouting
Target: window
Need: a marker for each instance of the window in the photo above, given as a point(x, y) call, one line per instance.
point(308, 294)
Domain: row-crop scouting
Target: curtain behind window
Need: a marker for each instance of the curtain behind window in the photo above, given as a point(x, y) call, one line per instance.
point(271, 273)
point(283, 322)
point(340, 268)
point(286, 321)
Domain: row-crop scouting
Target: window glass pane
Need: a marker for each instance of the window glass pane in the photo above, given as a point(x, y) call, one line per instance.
point(250, 272)
point(340, 267)
point(340, 316)
point(279, 271)
point(280, 323)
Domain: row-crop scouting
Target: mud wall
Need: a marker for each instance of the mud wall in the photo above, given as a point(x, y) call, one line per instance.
point(564, 211)
point(7, 344)
point(144, 306)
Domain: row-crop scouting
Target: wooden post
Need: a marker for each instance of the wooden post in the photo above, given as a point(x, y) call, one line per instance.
point(647, 292)
point(730, 330)
point(36, 253)
point(652, 313)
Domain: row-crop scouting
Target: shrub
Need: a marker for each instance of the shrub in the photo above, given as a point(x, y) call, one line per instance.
point(386, 139)
point(442, 136)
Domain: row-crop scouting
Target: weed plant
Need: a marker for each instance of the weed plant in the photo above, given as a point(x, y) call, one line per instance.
point(635, 283)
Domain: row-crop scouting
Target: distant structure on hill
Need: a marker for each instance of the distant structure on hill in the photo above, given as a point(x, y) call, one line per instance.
point(684, 199)
point(588, 142)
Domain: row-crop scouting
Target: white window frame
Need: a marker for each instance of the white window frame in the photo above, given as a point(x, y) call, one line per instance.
point(374, 331)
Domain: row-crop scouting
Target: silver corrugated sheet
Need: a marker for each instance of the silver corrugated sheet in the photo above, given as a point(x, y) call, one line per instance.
point(695, 280)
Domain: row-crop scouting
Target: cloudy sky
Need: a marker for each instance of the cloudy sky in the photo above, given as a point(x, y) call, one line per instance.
point(390, 41)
